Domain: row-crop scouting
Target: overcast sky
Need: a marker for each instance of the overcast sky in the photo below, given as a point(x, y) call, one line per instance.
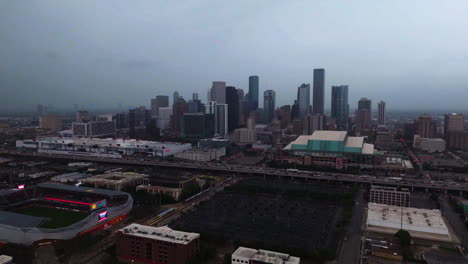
point(412, 54)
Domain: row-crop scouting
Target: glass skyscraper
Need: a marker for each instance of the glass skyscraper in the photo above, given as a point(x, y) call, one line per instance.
point(340, 106)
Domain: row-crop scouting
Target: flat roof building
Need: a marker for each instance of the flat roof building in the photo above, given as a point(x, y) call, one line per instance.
point(117, 180)
point(420, 223)
point(146, 244)
point(260, 256)
point(389, 196)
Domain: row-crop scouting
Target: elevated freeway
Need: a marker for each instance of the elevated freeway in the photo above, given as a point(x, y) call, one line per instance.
point(242, 170)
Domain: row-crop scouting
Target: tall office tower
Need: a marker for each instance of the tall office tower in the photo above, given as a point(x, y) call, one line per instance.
point(195, 96)
point(364, 117)
point(269, 97)
point(295, 111)
point(175, 97)
point(303, 98)
point(220, 112)
point(381, 117)
point(156, 103)
point(340, 106)
point(240, 94)
point(179, 108)
point(251, 122)
point(243, 107)
point(232, 101)
point(121, 120)
point(285, 115)
point(195, 106)
point(40, 109)
point(137, 120)
point(218, 92)
point(196, 126)
point(82, 116)
point(51, 122)
point(164, 119)
point(313, 123)
point(319, 92)
point(454, 122)
point(254, 84)
point(425, 127)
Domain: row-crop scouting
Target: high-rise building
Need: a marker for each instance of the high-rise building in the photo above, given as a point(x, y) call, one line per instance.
point(425, 127)
point(285, 116)
point(138, 118)
point(51, 122)
point(195, 96)
point(313, 123)
point(220, 112)
point(164, 119)
point(457, 140)
point(269, 97)
point(178, 110)
point(195, 106)
point(147, 244)
point(218, 92)
point(40, 109)
point(196, 126)
point(232, 101)
point(121, 120)
point(319, 92)
point(303, 98)
point(340, 106)
point(381, 117)
point(254, 84)
point(364, 117)
point(82, 116)
point(176, 96)
point(156, 103)
point(454, 122)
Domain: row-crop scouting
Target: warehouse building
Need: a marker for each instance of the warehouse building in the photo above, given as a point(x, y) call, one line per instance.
point(117, 180)
point(390, 196)
point(202, 154)
point(260, 256)
point(420, 223)
point(107, 147)
point(146, 244)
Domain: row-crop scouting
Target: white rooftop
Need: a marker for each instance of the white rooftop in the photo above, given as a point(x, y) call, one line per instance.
point(367, 149)
point(354, 142)
point(120, 142)
point(329, 135)
point(162, 233)
point(421, 223)
point(266, 256)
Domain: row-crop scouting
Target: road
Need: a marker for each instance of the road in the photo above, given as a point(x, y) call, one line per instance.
point(350, 251)
point(259, 171)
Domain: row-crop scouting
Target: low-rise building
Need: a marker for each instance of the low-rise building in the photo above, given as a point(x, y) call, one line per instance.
point(94, 128)
point(117, 180)
point(202, 154)
point(429, 144)
point(260, 256)
point(420, 223)
point(389, 196)
point(170, 191)
point(147, 244)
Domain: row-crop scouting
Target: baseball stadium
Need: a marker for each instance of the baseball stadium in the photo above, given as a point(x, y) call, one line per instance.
point(49, 212)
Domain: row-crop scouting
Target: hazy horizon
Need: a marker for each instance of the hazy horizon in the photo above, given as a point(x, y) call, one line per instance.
point(413, 55)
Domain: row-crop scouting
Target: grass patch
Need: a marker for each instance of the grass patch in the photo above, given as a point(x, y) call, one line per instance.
point(55, 218)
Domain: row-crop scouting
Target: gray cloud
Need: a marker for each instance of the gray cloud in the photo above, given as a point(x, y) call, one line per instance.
point(411, 54)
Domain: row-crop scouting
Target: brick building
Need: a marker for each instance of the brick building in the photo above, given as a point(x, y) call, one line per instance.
point(155, 245)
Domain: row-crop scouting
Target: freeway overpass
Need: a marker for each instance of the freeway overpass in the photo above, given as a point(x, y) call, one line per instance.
point(259, 171)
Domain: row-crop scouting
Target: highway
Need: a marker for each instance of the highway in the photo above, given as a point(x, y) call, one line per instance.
point(260, 171)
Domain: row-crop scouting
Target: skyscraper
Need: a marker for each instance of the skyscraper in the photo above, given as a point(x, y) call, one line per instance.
point(232, 100)
point(340, 106)
point(138, 118)
point(179, 108)
point(218, 92)
point(364, 117)
point(381, 117)
point(156, 103)
point(303, 97)
point(196, 126)
point(269, 104)
point(254, 84)
point(175, 97)
point(220, 112)
point(319, 92)
point(454, 122)
point(425, 127)
point(313, 123)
